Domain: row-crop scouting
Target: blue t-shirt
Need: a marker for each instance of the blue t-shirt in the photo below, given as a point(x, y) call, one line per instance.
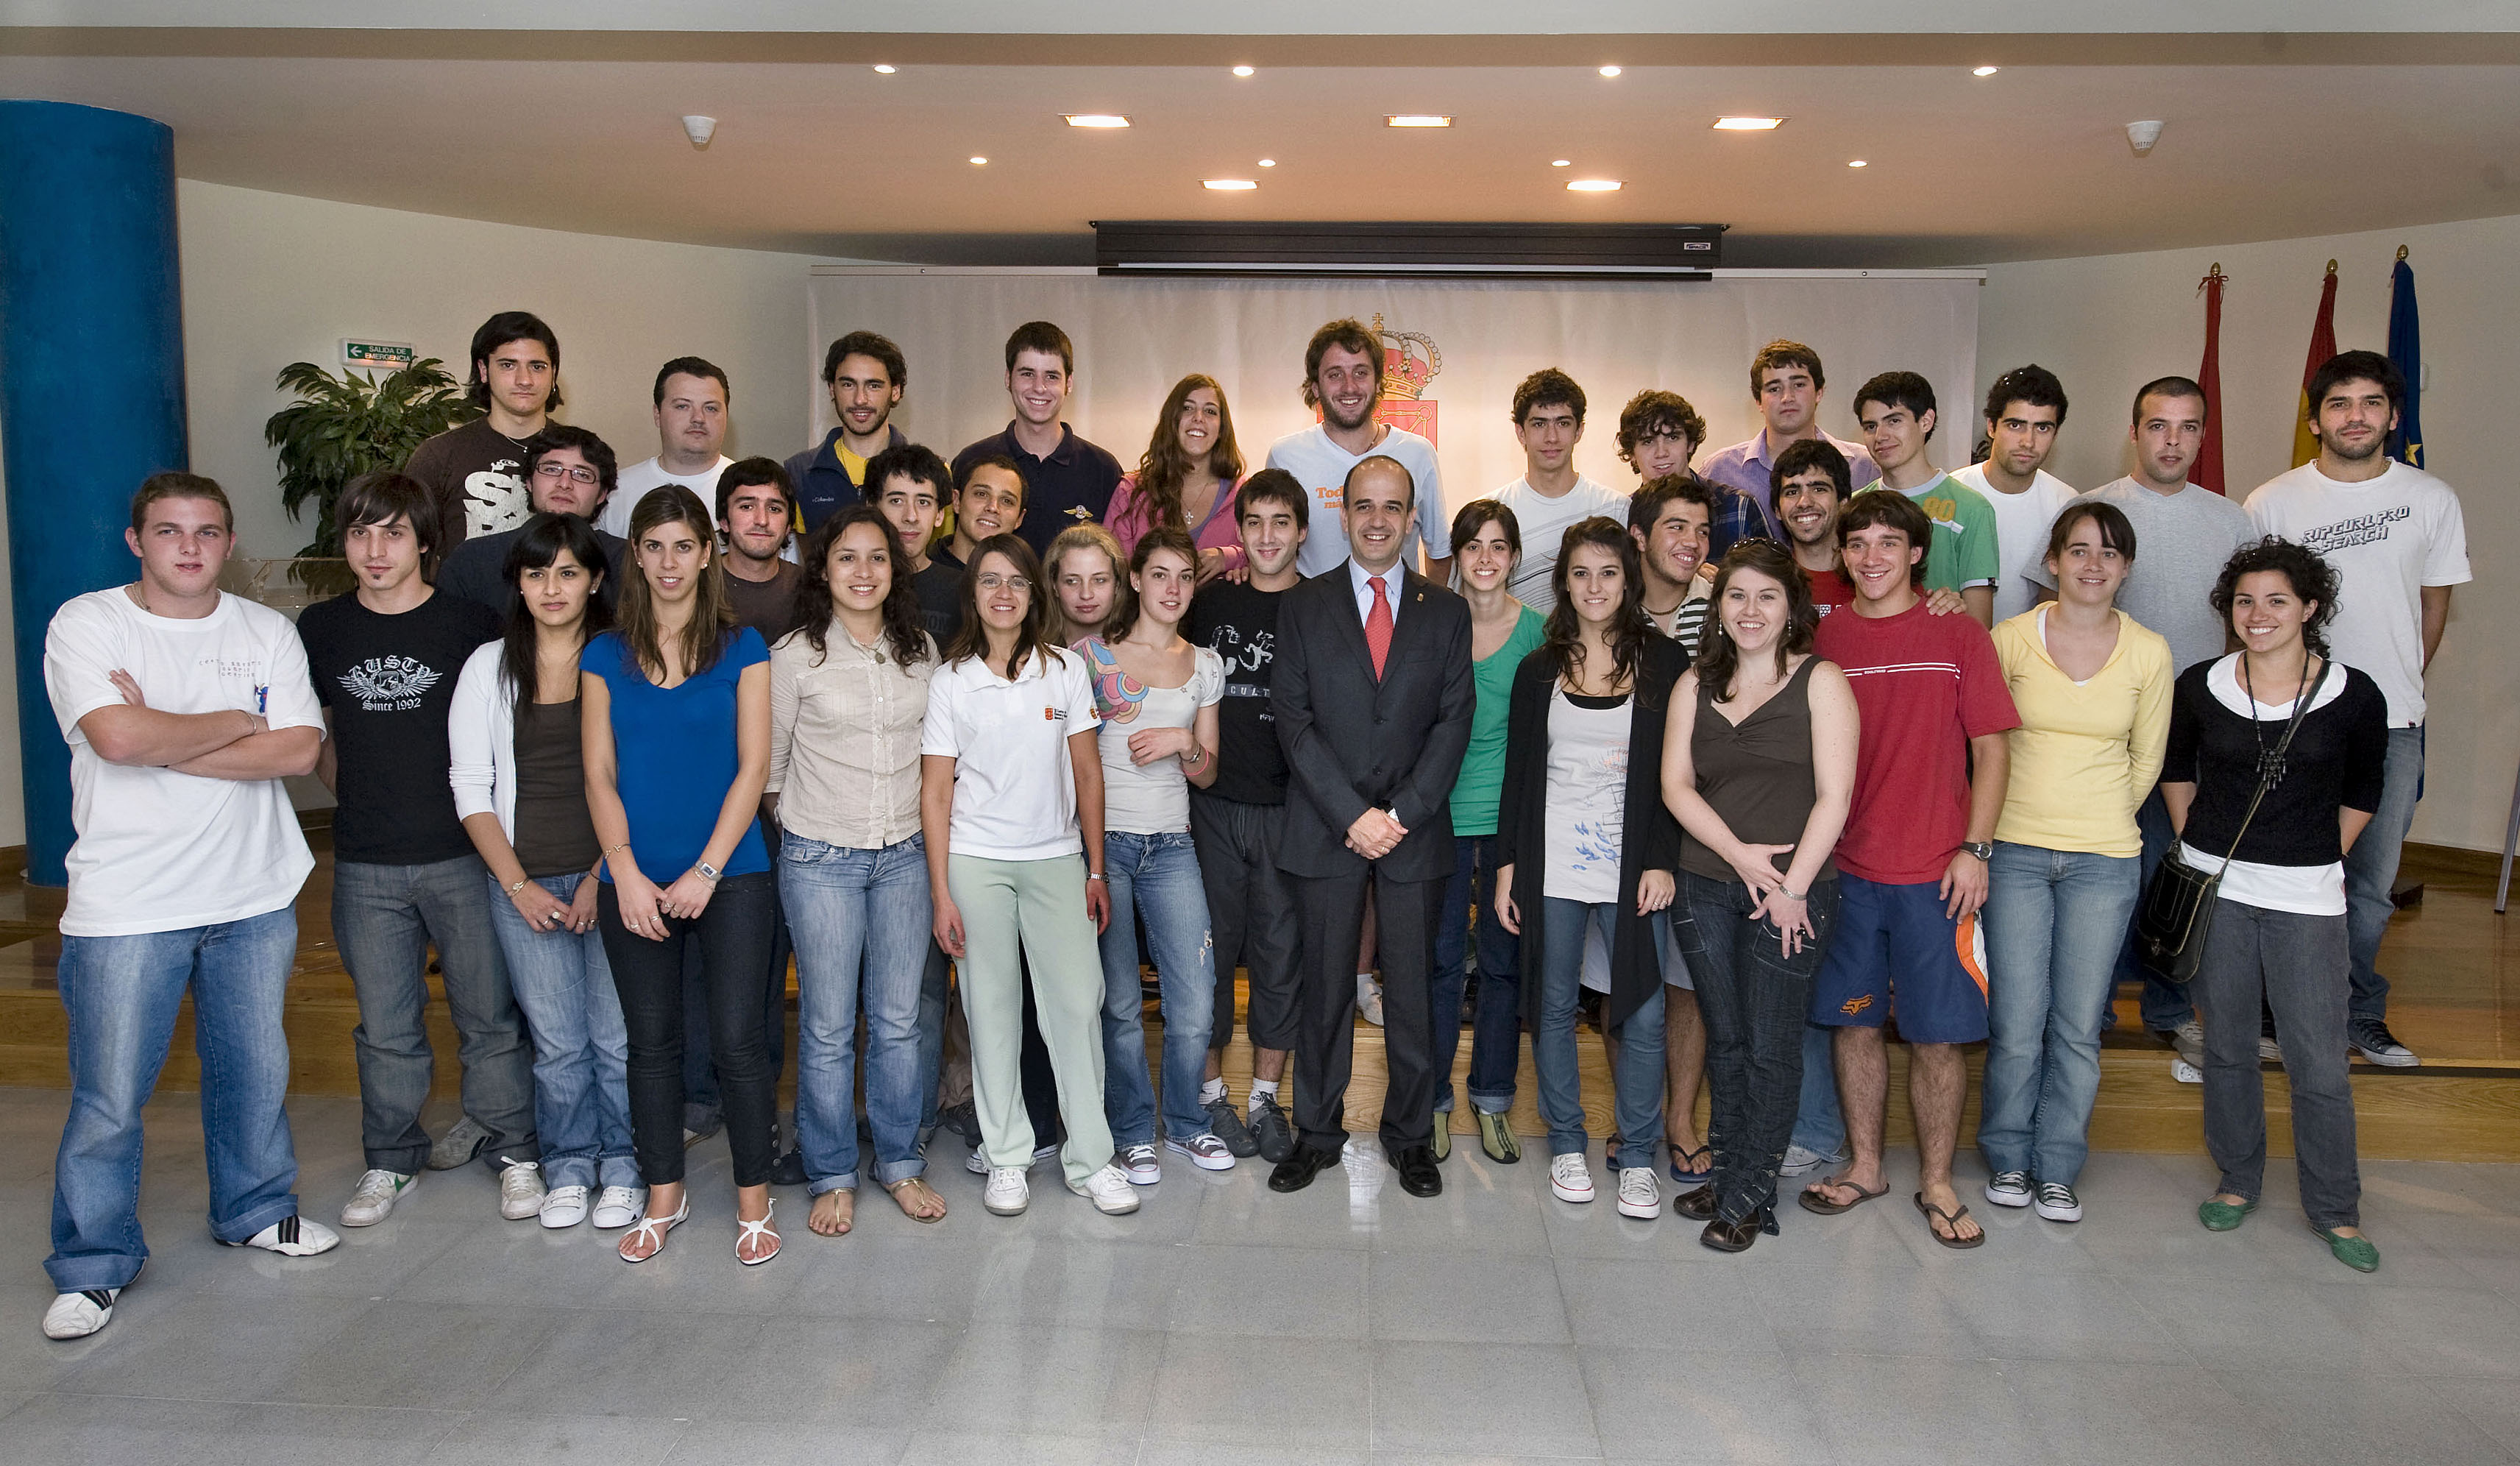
point(674, 755)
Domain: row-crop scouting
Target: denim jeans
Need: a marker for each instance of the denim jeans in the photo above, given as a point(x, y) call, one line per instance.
point(2298, 965)
point(934, 994)
point(2371, 868)
point(2053, 919)
point(1637, 1083)
point(386, 918)
point(1496, 1033)
point(121, 994)
point(844, 904)
point(1754, 998)
point(1158, 875)
point(2165, 1005)
point(1820, 1125)
point(581, 1050)
point(732, 936)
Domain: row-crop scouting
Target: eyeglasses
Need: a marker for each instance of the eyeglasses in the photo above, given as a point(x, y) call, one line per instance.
point(550, 470)
point(995, 581)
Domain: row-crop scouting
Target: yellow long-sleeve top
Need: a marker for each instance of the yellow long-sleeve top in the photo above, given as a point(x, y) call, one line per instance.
point(2086, 754)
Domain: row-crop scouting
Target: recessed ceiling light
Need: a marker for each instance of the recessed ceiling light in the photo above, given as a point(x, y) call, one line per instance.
point(1417, 120)
point(979, 161)
point(1986, 70)
point(1268, 163)
point(1609, 71)
point(1748, 124)
point(1229, 185)
point(1096, 120)
point(1242, 70)
point(1561, 162)
point(1857, 162)
point(885, 68)
point(1593, 186)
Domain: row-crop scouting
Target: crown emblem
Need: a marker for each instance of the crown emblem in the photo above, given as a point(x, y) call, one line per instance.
point(1410, 361)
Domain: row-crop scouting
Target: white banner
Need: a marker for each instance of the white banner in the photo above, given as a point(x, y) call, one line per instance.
point(1466, 343)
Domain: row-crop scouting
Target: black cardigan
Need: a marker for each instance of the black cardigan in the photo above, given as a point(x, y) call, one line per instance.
point(1652, 837)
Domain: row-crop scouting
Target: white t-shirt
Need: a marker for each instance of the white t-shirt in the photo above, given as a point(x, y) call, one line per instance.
point(2022, 522)
point(1543, 521)
point(2388, 538)
point(2305, 889)
point(1014, 792)
point(639, 479)
point(1587, 798)
point(1322, 466)
point(1150, 799)
point(160, 850)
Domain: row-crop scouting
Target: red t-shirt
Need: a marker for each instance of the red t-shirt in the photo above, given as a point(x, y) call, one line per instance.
point(1924, 685)
point(1829, 590)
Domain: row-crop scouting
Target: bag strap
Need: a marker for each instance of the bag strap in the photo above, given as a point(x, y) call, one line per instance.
point(2300, 709)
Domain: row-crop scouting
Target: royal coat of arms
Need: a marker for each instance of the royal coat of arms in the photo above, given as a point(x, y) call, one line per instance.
point(1410, 360)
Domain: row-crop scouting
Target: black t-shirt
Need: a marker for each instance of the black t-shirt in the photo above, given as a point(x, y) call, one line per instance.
point(940, 594)
point(2335, 761)
point(768, 606)
point(1239, 624)
point(388, 682)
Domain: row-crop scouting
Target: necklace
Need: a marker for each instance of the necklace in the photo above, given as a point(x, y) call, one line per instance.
point(2271, 761)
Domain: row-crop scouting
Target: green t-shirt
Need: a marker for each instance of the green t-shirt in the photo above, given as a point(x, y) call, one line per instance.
point(1482, 778)
point(1964, 551)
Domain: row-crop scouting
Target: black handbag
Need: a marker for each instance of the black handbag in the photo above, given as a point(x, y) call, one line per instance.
point(2178, 907)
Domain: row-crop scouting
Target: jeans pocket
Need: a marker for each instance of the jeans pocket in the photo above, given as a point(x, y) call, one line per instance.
point(1686, 939)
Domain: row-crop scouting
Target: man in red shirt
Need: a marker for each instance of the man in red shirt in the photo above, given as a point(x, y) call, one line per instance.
point(1809, 485)
point(1929, 778)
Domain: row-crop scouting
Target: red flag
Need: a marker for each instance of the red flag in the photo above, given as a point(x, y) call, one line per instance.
point(2322, 345)
point(2207, 470)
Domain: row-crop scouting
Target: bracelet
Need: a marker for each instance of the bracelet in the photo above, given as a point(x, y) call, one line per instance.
point(615, 850)
point(1793, 894)
point(520, 885)
point(1096, 875)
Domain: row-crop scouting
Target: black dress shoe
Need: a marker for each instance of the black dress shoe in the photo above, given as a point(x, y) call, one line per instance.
point(1419, 1173)
point(1696, 1205)
point(1298, 1171)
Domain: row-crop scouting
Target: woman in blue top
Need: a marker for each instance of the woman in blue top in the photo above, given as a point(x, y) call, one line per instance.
point(677, 725)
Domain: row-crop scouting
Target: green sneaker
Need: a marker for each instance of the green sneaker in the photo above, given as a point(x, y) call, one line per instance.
point(2223, 1217)
point(1497, 1140)
point(1442, 1141)
point(2356, 1252)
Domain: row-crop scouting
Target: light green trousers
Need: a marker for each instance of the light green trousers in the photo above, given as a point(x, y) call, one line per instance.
point(1014, 911)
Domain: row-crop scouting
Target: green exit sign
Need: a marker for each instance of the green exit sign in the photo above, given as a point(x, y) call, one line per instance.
point(380, 355)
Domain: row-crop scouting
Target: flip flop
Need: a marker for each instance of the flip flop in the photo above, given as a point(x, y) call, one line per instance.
point(1950, 1219)
point(906, 1183)
point(1813, 1201)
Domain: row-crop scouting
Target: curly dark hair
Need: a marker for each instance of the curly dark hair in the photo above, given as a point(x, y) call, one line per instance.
point(1718, 659)
point(1653, 411)
point(816, 607)
point(2313, 579)
point(1561, 638)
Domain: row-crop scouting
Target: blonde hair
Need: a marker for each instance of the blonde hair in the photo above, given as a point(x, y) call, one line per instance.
point(1083, 536)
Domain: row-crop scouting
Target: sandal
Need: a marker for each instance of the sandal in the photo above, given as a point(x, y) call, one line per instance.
point(653, 1230)
point(907, 1199)
point(1813, 1201)
point(847, 1224)
point(1951, 1219)
point(755, 1231)
point(1691, 1167)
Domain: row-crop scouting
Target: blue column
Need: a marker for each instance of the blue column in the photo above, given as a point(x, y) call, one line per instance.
point(91, 388)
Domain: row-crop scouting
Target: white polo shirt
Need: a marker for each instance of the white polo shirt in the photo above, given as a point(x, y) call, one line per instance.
point(1015, 791)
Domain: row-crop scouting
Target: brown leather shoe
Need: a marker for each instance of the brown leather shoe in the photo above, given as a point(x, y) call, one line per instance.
point(1697, 1204)
point(1730, 1236)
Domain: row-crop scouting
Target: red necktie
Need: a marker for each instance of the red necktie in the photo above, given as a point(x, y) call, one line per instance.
point(1377, 627)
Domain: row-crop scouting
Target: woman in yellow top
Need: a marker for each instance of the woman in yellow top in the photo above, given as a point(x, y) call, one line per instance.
point(2093, 688)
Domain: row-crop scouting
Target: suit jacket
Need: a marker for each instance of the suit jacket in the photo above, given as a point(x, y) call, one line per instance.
point(1353, 743)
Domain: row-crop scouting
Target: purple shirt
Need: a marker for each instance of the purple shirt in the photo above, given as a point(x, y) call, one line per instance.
point(1745, 466)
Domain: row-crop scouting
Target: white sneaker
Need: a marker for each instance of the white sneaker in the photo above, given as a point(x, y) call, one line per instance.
point(1569, 1179)
point(1204, 1149)
point(2269, 1050)
point(1008, 1194)
point(1109, 1189)
point(293, 1236)
point(1138, 1164)
point(1802, 1161)
point(2186, 1073)
point(618, 1205)
point(373, 1200)
point(1369, 998)
point(1639, 1196)
point(75, 1315)
point(2008, 1188)
point(563, 1206)
point(2188, 1038)
point(520, 1190)
point(977, 1163)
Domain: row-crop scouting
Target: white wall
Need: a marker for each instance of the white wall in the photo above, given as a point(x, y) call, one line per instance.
point(2108, 324)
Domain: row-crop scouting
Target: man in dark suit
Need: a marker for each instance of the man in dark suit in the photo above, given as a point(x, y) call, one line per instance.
point(1372, 696)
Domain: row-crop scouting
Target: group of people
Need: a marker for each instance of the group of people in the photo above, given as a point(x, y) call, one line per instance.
point(1748, 763)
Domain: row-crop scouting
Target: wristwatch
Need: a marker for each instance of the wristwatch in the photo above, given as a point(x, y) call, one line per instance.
point(706, 871)
point(1983, 850)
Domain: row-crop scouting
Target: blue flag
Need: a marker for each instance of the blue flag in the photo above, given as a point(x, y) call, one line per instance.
point(2407, 350)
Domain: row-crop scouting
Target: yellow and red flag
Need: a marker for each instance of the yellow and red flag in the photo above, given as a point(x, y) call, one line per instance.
point(2322, 345)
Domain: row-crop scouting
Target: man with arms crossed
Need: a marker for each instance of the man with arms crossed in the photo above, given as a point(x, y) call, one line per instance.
point(476, 472)
point(183, 708)
point(690, 411)
point(1897, 411)
point(567, 471)
point(1548, 422)
point(1929, 776)
point(911, 486)
point(865, 374)
point(1343, 381)
point(2024, 410)
point(1374, 697)
point(1066, 481)
point(1238, 824)
point(405, 876)
point(1658, 433)
point(2398, 544)
point(1786, 382)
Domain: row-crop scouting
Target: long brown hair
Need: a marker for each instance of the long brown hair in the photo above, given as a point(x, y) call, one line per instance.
point(712, 624)
point(816, 607)
point(1718, 659)
point(971, 639)
point(1087, 535)
point(1162, 537)
point(1562, 637)
point(1161, 471)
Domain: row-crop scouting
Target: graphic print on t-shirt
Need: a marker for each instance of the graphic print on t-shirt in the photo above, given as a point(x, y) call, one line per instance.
point(1241, 655)
point(494, 498)
point(389, 684)
point(2358, 530)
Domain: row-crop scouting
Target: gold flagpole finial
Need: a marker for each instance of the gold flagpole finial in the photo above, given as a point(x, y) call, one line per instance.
point(2331, 267)
point(2401, 251)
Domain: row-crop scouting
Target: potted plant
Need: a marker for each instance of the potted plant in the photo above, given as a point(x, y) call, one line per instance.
point(341, 426)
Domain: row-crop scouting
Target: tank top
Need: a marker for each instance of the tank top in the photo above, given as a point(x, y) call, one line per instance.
point(1758, 775)
point(555, 833)
point(1588, 794)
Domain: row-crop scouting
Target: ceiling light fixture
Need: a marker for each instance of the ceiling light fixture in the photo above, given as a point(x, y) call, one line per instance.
point(1609, 71)
point(1561, 162)
point(884, 68)
point(1593, 186)
point(1748, 124)
point(1857, 162)
point(1268, 163)
point(979, 161)
point(1417, 120)
point(1242, 70)
point(1986, 70)
point(1095, 119)
point(1229, 185)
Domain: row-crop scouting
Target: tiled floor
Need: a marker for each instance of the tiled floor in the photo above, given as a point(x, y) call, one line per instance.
point(1225, 1324)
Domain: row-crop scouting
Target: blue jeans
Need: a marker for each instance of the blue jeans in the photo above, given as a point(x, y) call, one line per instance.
point(1820, 1125)
point(1637, 1083)
point(121, 994)
point(2371, 868)
point(844, 903)
point(581, 1051)
point(385, 917)
point(2053, 919)
point(1495, 1033)
point(1158, 875)
point(2165, 1005)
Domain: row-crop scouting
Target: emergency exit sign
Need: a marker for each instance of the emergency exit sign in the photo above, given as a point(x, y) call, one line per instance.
point(380, 355)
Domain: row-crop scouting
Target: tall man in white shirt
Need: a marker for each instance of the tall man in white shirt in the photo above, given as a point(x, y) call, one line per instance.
point(1548, 422)
point(2024, 410)
point(1343, 381)
point(691, 402)
point(1785, 383)
point(2397, 541)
